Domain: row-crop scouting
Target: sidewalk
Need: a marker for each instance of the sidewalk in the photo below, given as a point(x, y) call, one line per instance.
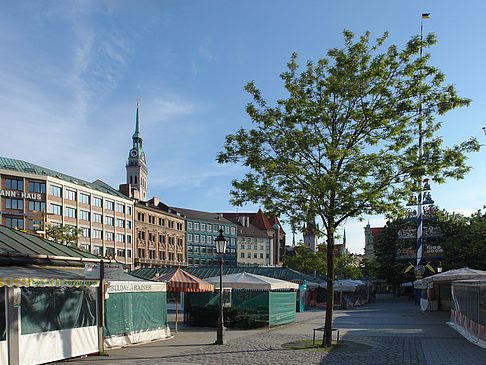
point(387, 331)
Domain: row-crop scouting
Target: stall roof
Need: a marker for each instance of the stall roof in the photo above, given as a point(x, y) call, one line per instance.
point(19, 248)
point(41, 276)
point(449, 276)
point(244, 280)
point(203, 272)
point(346, 285)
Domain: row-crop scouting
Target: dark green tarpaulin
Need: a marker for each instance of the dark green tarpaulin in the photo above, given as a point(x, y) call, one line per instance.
point(57, 308)
point(245, 308)
point(128, 312)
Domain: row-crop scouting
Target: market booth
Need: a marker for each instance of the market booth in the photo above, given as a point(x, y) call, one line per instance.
point(348, 292)
point(249, 301)
point(179, 281)
point(436, 289)
point(135, 311)
point(468, 311)
point(49, 309)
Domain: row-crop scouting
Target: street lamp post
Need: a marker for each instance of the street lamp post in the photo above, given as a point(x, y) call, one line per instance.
point(220, 243)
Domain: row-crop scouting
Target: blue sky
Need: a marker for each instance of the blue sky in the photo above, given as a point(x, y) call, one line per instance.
point(70, 73)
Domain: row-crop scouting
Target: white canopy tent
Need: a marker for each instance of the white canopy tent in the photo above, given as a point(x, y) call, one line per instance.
point(436, 292)
point(246, 280)
point(448, 276)
point(346, 285)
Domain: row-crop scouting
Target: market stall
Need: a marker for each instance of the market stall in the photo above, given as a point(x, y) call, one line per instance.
point(180, 281)
point(57, 312)
point(436, 289)
point(135, 311)
point(251, 301)
point(349, 292)
point(468, 311)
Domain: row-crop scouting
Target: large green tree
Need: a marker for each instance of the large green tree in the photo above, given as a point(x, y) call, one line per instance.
point(342, 143)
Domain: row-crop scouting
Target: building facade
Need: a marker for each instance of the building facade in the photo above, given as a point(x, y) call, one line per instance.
point(160, 235)
point(32, 196)
point(371, 240)
point(311, 237)
point(272, 227)
point(254, 245)
point(201, 230)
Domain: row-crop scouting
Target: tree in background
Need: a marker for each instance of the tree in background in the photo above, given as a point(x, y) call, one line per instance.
point(347, 267)
point(65, 235)
point(463, 242)
point(306, 261)
point(368, 268)
point(343, 142)
point(389, 268)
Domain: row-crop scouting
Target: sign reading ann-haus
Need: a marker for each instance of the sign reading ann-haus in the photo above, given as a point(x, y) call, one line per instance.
point(20, 195)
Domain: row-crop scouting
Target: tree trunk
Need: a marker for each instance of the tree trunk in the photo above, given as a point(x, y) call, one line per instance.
point(327, 336)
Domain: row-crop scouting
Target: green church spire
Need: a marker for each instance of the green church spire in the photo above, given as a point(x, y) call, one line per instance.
point(137, 135)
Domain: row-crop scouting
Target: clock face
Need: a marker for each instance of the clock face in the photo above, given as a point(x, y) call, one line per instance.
point(133, 153)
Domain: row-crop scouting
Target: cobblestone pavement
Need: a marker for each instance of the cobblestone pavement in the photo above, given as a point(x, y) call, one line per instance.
point(387, 331)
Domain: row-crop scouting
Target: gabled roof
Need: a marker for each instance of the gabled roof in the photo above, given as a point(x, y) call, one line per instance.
point(251, 231)
point(17, 246)
point(10, 164)
point(258, 219)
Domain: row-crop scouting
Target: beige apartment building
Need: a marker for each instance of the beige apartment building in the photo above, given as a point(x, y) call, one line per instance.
point(104, 215)
point(160, 235)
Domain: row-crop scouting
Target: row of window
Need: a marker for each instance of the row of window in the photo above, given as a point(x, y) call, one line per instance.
point(109, 236)
point(34, 187)
point(160, 221)
point(255, 255)
point(85, 198)
point(18, 204)
point(152, 237)
point(207, 250)
point(12, 184)
point(109, 251)
point(255, 247)
point(87, 216)
point(162, 255)
point(203, 261)
point(249, 239)
point(208, 227)
point(196, 238)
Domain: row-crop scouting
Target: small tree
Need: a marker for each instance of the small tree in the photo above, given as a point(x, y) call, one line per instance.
point(343, 141)
point(65, 235)
point(347, 267)
point(306, 261)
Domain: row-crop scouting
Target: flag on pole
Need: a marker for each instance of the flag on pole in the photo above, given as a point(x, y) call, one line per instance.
point(408, 268)
point(428, 266)
point(425, 15)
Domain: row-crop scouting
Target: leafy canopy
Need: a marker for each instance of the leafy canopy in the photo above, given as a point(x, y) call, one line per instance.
point(344, 141)
point(66, 235)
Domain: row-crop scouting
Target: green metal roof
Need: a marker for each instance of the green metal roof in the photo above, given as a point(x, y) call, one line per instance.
point(10, 164)
point(282, 273)
point(136, 134)
point(17, 242)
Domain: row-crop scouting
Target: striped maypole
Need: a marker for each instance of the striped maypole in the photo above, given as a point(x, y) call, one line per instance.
point(421, 153)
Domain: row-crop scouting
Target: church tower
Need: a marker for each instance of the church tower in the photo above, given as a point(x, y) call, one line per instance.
point(136, 165)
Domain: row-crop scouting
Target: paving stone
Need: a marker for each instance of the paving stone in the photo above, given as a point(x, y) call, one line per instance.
point(387, 331)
